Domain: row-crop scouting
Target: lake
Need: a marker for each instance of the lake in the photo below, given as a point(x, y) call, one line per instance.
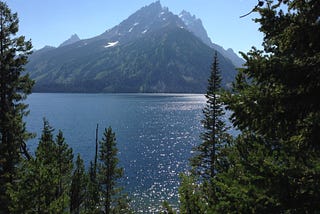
point(155, 135)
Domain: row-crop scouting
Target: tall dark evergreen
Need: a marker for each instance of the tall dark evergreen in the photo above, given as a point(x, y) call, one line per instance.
point(276, 106)
point(200, 190)
point(207, 162)
point(14, 87)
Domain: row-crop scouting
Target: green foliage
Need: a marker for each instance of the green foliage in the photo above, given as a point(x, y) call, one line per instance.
point(167, 209)
point(47, 182)
point(202, 191)
point(93, 195)
point(275, 104)
point(108, 175)
point(208, 161)
point(191, 195)
point(78, 187)
point(273, 165)
point(43, 183)
point(64, 161)
point(14, 87)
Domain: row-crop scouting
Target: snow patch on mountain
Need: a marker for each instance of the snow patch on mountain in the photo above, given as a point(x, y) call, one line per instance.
point(111, 44)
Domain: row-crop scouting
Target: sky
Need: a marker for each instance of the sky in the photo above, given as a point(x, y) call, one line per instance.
point(51, 22)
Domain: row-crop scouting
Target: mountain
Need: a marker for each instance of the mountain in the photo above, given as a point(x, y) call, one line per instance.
point(42, 50)
point(151, 51)
point(73, 39)
point(148, 19)
point(195, 26)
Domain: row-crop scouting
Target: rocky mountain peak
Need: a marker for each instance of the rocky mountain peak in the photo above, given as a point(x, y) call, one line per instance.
point(188, 18)
point(147, 19)
point(195, 26)
point(153, 6)
point(73, 39)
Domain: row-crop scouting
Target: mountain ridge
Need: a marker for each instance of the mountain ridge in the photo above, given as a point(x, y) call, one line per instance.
point(150, 51)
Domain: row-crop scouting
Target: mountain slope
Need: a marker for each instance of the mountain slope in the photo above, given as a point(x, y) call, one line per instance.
point(151, 51)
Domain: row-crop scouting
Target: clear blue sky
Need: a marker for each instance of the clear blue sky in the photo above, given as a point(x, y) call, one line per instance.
point(50, 22)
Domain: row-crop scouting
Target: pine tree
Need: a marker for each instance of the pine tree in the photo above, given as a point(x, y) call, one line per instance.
point(215, 137)
point(44, 181)
point(92, 199)
point(191, 195)
point(64, 164)
point(14, 87)
point(109, 174)
point(276, 106)
point(78, 187)
point(200, 192)
point(22, 194)
point(36, 187)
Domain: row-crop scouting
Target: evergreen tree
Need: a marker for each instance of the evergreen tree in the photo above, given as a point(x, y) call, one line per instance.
point(78, 187)
point(210, 158)
point(191, 195)
point(44, 181)
point(64, 164)
point(200, 191)
point(108, 175)
point(14, 87)
point(92, 198)
point(276, 106)
point(35, 190)
point(23, 193)
point(47, 180)
point(206, 162)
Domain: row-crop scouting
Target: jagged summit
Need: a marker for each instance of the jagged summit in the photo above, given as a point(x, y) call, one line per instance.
point(155, 5)
point(148, 19)
point(195, 26)
point(187, 17)
point(73, 39)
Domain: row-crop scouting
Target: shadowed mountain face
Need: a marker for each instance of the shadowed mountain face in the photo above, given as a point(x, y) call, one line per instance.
point(151, 51)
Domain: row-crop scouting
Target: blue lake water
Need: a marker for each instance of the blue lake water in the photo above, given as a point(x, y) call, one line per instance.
point(155, 135)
